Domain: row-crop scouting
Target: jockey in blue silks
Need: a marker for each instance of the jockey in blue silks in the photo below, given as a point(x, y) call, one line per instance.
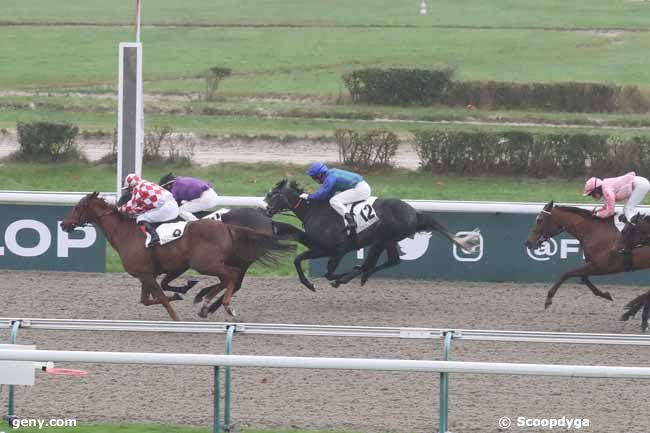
point(340, 187)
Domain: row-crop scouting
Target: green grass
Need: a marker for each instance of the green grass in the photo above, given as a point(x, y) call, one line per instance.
point(499, 13)
point(311, 61)
point(297, 127)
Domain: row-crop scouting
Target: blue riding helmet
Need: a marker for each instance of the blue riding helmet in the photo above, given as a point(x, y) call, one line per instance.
point(316, 169)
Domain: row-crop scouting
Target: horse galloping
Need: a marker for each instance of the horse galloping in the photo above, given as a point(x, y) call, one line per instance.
point(325, 233)
point(598, 238)
point(209, 247)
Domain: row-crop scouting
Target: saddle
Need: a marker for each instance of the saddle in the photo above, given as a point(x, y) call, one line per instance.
point(169, 231)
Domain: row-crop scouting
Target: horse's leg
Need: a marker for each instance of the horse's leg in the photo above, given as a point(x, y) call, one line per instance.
point(306, 255)
point(204, 291)
point(229, 276)
point(634, 306)
point(216, 304)
point(146, 300)
point(177, 289)
point(595, 290)
point(392, 259)
point(374, 252)
point(584, 270)
point(332, 264)
point(286, 229)
point(646, 313)
point(159, 295)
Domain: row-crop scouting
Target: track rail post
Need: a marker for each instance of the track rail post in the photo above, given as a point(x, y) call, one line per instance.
point(11, 403)
point(216, 409)
point(444, 385)
point(226, 410)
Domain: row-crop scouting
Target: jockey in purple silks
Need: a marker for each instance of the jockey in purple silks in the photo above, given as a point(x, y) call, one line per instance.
point(193, 195)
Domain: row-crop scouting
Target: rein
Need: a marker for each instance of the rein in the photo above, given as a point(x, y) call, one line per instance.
point(297, 205)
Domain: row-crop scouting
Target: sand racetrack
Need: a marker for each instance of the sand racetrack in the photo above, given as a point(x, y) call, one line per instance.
point(360, 401)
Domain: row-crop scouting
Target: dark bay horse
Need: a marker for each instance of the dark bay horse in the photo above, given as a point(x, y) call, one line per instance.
point(209, 247)
point(326, 236)
point(597, 237)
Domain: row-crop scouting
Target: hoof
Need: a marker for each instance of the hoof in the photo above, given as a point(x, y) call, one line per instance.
point(364, 280)
point(177, 297)
point(547, 304)
point(624, 317)
point(203, 312)
point(191, 283)
point(309, 285)
point(607, 296)
point(335, 283)
point(231, 311)
point(198, 299)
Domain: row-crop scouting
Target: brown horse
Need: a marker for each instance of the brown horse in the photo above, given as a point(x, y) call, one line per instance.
point(209, 247)
point(597, 237)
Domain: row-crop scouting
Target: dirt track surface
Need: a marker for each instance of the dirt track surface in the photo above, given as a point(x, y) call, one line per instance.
point(328, 399)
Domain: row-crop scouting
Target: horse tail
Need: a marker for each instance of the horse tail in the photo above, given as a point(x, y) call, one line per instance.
point(251, 245)
point(468, 241)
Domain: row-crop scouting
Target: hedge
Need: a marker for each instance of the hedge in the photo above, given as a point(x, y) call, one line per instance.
point(372, 149)
point(534, 154)
point(48, 141)
point(395, 86)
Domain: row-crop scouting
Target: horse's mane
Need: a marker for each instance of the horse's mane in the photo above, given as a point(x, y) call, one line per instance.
point(296, 186)
point(579, 211)
point(85, 202)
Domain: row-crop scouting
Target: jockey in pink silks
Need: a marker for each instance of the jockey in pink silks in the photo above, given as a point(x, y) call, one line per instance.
point(628, 187)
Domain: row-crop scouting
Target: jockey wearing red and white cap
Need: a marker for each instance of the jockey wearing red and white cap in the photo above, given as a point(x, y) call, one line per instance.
point(150, 202)
point(613, 189)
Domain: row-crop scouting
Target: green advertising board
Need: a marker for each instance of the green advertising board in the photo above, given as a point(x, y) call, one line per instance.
point(31, 238)
point(501, 256)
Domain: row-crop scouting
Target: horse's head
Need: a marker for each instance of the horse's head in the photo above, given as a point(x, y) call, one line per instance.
point(283, 196)
point(545, 227)
point(635, 232)
point(88, 210)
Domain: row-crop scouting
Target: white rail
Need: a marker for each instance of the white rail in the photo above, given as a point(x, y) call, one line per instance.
point(324, 330)
point(71, 198)
point(325, 363)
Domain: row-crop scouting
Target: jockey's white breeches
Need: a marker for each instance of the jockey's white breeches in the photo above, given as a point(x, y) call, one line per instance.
point(206, 201)
point(361, 191)
point(640, 187)
point(166, 211)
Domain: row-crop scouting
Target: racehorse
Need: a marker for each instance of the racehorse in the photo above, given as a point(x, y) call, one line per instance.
point(326, 235)
point(597, 237)
point(253, 218)
point(209, 247)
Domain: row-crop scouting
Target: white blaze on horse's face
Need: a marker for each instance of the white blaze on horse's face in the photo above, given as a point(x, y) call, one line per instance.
point(542, 230)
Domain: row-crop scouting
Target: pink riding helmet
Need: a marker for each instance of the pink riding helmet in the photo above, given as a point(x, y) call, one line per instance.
point(131, 180)
point(591, 185)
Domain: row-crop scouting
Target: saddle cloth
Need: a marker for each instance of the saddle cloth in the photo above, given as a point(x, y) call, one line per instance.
point(364, 213)
point(216, 215)
point(168, 232)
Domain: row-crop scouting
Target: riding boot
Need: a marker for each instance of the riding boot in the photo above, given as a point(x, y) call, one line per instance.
point(155, 240)
point(349, 218)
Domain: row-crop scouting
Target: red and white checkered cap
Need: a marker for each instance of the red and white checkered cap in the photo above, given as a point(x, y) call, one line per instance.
point(131, 180)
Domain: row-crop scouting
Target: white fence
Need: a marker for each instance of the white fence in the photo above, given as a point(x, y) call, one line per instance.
point(325, 363)
point(71, 198)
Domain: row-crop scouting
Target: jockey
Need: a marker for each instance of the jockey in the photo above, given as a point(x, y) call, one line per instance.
point(193, 195)
point(350, 188)
point(150, 202)
point(613, 189)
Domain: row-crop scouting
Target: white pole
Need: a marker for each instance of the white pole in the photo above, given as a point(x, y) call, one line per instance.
point(138, 10)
